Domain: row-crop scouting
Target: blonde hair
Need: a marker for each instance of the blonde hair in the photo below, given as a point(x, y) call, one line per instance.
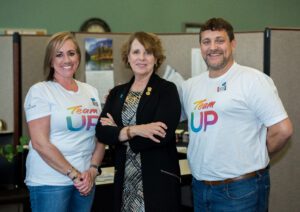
point(54, 44)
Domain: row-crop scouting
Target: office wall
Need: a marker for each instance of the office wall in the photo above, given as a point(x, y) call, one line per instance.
point(120, 73)
point(284, 70)
point(7, 169)
point(6, 79)
point(249, 51)
point(32, 58)
point(165, 16)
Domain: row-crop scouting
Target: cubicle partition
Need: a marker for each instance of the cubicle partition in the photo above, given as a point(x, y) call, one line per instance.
point(6, 85)
point(250, 49)
point(284, 70)
point(7, 169)
point(120, 76)
point(32, 58)
point(178, 51)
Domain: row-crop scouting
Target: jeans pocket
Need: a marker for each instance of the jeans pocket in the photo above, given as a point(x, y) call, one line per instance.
point(241, 189)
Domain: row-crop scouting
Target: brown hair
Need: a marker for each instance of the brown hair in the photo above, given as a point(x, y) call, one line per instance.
point(217, 24)
point(151, 43)
point(54, 44)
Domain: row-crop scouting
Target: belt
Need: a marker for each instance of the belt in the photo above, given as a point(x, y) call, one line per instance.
point(230, 180)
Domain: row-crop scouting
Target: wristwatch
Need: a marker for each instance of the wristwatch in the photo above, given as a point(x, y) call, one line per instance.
point(98, 168)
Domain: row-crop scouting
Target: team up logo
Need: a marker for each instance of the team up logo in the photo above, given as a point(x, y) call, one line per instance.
point(223, 87)
point(203, 115)
point(94, 102)
point(89, 117)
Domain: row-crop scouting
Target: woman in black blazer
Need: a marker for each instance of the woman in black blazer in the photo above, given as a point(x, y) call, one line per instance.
point(139, 118)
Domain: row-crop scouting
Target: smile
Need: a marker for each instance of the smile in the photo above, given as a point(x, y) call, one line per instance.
point(67, 67)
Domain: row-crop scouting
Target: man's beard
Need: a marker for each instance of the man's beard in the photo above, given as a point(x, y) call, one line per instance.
point(217, 66)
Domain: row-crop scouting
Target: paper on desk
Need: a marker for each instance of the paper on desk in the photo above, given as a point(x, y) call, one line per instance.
point(105, 177)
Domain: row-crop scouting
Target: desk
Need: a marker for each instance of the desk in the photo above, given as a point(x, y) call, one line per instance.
point(18, 197)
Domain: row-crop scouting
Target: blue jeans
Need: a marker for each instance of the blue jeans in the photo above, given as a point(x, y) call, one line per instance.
point(247, 195)
point(59, 199)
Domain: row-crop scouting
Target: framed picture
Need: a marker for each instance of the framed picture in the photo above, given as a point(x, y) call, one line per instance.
point(192, 27)
point(25, 31)
point(94, 25)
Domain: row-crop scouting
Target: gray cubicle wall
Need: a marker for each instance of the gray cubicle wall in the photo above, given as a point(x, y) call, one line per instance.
point(178, 49)
point(120, 74)
point(6, 82)
point(250, 49)
point(7, 170)
point(284, 70)
point(32, 58)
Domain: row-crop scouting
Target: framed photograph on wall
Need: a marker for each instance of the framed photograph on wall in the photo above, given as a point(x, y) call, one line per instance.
point(94, 25)
point(192, 27)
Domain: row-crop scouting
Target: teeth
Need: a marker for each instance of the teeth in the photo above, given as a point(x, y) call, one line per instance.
point(214, 54)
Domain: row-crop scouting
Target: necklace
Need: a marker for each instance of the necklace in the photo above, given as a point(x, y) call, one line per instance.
point(130, 107)
point(133, 97)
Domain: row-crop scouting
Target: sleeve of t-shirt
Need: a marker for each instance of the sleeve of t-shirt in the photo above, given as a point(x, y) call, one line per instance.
point(36, 103)
point(265, 101)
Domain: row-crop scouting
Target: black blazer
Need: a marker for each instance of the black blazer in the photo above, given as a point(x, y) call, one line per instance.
point(160, 166)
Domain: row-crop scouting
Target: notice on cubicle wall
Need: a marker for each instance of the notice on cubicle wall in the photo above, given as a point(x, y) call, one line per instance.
point(198, 64)
point(99, 65)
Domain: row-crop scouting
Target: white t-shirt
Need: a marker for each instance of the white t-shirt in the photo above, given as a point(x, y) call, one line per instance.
point(73, 117)
point(228, 118)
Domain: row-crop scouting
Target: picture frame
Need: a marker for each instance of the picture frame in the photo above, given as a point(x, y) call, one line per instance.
point(192, 27)
point(94, 25)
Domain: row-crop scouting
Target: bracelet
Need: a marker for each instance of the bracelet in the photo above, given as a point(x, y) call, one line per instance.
point(98, 169)
point(75, 177)
point(128, 133)
point(69, 171)
point(94, 166)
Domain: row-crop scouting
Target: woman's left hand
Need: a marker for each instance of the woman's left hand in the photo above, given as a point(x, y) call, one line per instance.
point(85, 183)
point(109, 121)
point(150, 130)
